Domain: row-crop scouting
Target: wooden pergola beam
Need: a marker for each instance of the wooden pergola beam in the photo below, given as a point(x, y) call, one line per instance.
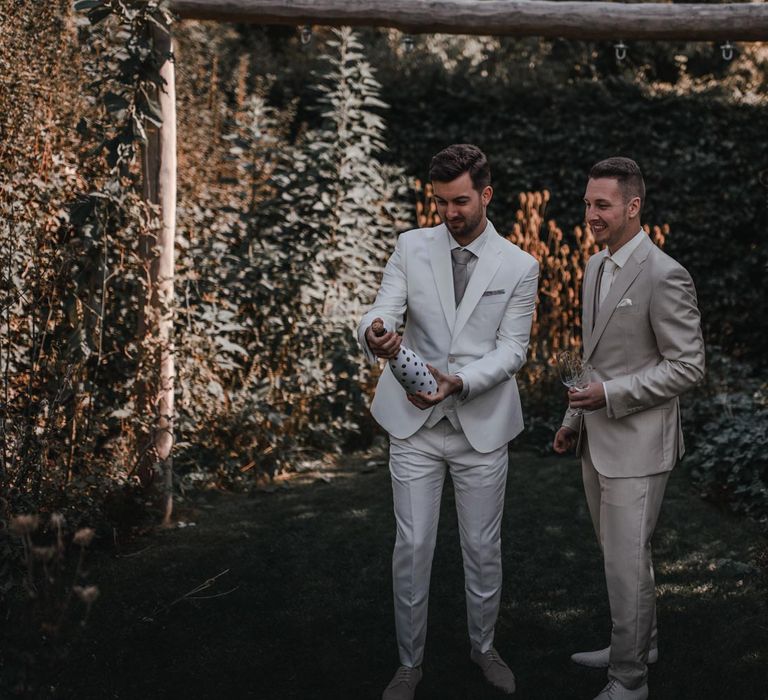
point(544, 18)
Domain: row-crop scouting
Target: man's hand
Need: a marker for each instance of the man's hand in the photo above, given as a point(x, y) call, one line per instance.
point(387, 345)
point(565, 440)
point(591, 398)
point(447, 384)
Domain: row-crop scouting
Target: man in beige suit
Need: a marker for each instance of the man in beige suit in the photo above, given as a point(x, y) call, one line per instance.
point(642, 337)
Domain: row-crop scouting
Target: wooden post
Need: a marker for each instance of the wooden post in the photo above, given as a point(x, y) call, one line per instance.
point(157, 322)
point(545, 18)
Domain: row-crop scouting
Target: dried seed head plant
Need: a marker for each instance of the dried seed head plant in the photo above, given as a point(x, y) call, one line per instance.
point(58, 598)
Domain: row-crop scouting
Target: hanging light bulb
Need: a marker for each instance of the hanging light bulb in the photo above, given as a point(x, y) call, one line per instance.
point(727, 49)
point(621, 50)
point(408, 43)
point(306, 34)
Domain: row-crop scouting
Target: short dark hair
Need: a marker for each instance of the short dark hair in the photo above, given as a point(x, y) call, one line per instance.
point(460, 158)
point(626, 171)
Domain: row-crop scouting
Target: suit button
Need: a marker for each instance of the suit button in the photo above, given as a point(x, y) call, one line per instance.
point(451, 359)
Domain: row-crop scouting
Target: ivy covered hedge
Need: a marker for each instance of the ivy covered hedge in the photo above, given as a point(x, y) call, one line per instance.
point(706, 175)
point(726, 454)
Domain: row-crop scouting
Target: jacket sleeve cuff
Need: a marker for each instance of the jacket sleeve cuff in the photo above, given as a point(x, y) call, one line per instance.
point(608, 409)
point(465, 387)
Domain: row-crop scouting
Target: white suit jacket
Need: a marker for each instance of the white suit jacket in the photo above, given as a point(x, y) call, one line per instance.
point(646, 345)
point(486, 337)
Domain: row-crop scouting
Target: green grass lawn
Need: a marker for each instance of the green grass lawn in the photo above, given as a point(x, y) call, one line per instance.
point(306, 604)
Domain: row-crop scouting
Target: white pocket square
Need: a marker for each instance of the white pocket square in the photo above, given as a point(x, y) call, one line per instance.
point(624, 302)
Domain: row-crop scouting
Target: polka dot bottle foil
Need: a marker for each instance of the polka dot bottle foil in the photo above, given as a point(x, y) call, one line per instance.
point(409, 369)
point(412, 373)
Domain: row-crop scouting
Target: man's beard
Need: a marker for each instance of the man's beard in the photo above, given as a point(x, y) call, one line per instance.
point(466, 227)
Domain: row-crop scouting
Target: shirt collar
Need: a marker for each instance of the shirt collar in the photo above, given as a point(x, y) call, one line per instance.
point(476, 246)
point(623, 254)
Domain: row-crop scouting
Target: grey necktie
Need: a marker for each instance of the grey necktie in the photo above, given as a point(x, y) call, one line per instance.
point(461, 258)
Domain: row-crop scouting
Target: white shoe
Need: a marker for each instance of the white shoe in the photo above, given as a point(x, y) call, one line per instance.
point(616, 691)
point(599, 658)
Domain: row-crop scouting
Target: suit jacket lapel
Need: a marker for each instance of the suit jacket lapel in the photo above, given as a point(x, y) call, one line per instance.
point(624, 278)
point(440, 260)
point(487, 264)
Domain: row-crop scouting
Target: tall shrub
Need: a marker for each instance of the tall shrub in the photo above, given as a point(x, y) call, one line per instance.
point(67, 228)
point(340, 227)
point(275, 280)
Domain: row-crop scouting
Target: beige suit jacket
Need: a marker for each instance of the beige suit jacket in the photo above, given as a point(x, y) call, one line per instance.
point(646, 345)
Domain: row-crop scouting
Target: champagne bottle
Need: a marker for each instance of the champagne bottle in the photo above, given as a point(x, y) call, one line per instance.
point(408, 367)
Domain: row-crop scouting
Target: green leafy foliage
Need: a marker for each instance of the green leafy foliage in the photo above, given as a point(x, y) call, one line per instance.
point(275, 282)
point(726, 455)
point(71, 228)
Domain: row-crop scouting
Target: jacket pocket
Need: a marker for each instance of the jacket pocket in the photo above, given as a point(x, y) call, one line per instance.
point(627, 311)
point(493, 299)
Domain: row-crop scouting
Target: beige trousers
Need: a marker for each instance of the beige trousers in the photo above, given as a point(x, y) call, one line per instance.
point(624, 513)
point(418, 467)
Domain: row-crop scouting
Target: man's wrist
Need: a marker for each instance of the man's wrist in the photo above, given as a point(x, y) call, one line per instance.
point(457, 384)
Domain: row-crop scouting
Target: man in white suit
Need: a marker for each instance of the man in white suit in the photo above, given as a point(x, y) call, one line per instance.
point(467, 296)
point(642, 336)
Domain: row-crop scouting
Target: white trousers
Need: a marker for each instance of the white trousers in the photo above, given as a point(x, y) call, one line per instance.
point(418, 466)
point(624, 513)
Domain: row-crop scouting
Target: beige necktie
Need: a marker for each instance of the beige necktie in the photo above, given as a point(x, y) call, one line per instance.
point(461, 258)
point(609, 272)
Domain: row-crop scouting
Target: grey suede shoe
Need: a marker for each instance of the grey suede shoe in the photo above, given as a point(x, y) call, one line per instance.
point(496, 672)
point(616, 691)
point(403, 684)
